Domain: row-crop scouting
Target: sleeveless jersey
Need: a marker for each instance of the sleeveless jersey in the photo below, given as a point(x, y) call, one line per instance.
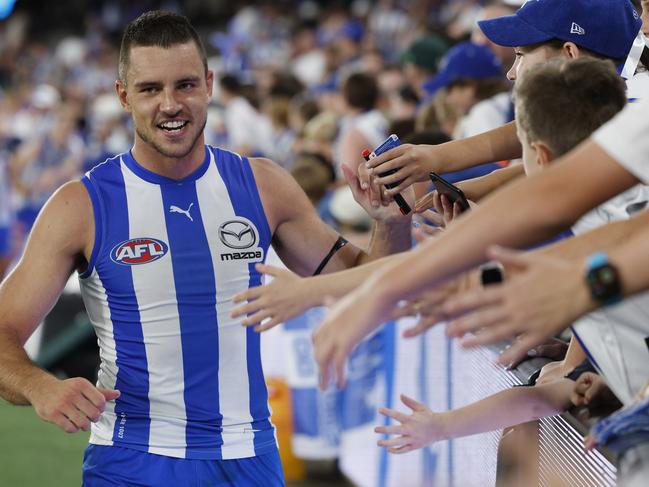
point(168, 258)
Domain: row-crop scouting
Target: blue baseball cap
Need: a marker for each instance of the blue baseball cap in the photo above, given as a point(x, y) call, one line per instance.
point(606, 27)
point(465, 61)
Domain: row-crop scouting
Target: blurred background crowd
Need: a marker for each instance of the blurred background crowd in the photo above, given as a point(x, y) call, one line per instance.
point(308, 84)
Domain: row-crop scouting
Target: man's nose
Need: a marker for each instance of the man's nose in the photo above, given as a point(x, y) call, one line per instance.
point(169, 103)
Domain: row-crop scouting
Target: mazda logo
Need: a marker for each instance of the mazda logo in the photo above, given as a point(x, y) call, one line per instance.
point(238, 234)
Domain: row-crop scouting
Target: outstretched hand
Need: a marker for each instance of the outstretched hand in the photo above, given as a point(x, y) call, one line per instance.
point(284, 298)
point(371, 199)
point(542, 297)
point(416, 430)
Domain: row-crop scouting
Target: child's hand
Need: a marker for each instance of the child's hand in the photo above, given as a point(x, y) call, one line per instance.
point(587, 389)
point(421, 428)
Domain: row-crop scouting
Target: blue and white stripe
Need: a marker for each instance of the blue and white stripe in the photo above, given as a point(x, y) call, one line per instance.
point(191, 378)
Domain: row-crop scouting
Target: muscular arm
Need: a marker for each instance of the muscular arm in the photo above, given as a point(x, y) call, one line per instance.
point(61, 241)
point(54, 249)
point(302, 240)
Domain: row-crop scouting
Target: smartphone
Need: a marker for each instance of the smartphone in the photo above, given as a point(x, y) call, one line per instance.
point(452, 192)
point(390, 143)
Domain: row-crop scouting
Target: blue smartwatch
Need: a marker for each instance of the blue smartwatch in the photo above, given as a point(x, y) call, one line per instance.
point(603, 279)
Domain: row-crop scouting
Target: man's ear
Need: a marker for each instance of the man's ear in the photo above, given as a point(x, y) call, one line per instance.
point(571, 50)
point(120, 89)
point(544, 155)
point(209, 80)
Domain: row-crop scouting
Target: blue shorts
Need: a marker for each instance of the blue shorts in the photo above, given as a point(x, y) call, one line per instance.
point(114, 466)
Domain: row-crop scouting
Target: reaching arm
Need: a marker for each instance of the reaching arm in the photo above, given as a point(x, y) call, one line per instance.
point(517, 215)
point(501, 410)
point(414, 162)
point(289, 295)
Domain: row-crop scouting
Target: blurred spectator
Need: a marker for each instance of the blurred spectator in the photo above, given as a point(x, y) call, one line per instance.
point(45, 161)
point(363, 126)
point(420, 62)
point(308, 60)
point(491, 11)
point(246, 132)
point(469, 74)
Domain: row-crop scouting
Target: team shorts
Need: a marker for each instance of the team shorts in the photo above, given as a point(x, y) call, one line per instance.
point(114, 466)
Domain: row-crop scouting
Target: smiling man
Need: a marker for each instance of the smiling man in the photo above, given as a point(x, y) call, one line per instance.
point(162, 238)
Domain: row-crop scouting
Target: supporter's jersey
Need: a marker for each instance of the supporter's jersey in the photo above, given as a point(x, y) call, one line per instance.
point(168, 258)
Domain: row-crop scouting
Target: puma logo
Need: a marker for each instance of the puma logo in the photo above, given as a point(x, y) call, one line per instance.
point(175, 209)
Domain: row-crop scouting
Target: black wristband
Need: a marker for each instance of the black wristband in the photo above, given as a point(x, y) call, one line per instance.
point(340, 243)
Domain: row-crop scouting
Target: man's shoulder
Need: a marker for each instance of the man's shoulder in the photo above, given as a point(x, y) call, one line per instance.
point(105, 167)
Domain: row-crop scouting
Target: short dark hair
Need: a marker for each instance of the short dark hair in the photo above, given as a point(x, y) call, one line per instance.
point(361, 91)
point(562, 102)
point(157, 28)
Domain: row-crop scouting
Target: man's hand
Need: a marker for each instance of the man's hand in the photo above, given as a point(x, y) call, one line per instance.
point(412, 162)
point(371, 201)
point(544, 296)
point(347, 322)
point(417, 430)
point(285, 297)
point(71, 404)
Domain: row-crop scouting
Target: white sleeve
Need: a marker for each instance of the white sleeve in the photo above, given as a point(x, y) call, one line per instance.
point(626, 139)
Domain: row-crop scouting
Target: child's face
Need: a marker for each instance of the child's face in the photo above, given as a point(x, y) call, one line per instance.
point(529, 155)
point(526, 58)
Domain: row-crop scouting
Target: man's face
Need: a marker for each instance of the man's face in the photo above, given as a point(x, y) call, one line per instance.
point(167, 94)
point(526, 58)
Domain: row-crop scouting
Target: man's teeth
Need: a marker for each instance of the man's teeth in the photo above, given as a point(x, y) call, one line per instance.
point(173, 125)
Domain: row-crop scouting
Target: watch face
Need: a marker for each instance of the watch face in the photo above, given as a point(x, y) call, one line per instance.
point(607, 275)
point(604, 284)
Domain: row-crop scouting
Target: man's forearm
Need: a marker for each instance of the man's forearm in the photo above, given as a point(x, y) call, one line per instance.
point(496, 145)
point(18, 374)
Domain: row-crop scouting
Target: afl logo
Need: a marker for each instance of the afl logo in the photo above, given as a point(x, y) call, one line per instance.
point(238, 234)
point(138, 251)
